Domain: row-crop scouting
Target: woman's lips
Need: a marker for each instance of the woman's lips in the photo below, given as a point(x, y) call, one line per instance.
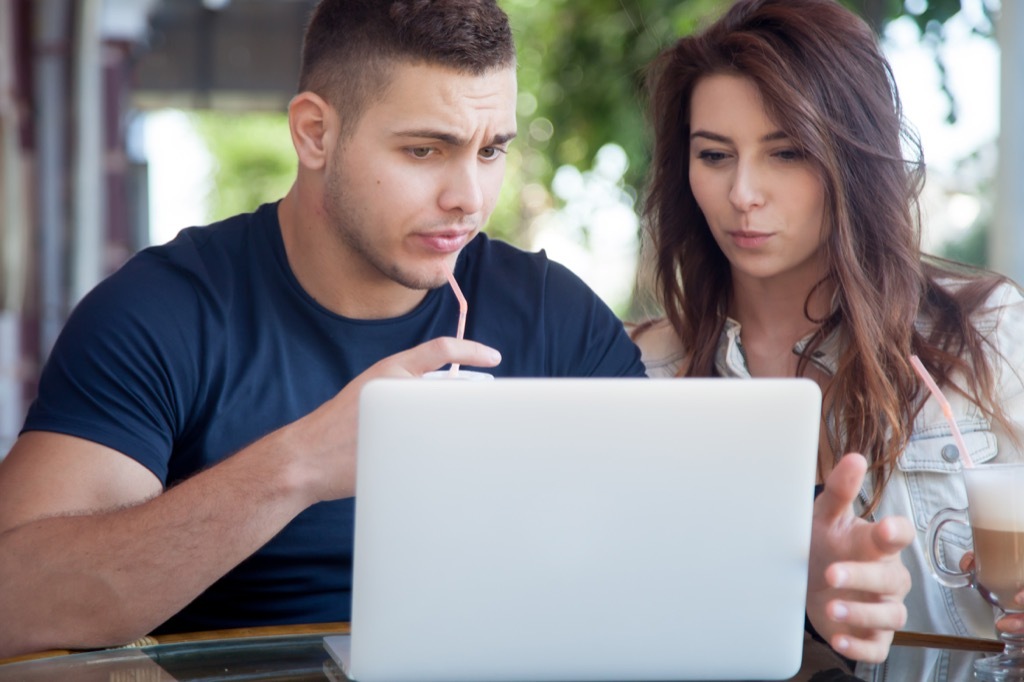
point(750, 240)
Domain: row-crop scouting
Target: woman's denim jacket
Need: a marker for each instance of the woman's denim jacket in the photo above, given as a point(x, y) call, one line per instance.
point(926, 478)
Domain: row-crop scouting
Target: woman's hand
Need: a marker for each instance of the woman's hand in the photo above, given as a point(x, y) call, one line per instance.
point(857, 581)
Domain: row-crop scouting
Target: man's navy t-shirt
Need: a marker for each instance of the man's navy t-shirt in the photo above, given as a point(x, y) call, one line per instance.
point(197, 348)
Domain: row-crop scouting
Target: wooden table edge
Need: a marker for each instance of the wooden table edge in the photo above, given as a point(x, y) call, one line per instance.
point(204, 636)
point(933, 641)
point(901, 638)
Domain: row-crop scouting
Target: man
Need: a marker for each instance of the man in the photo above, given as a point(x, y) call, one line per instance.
point(189, 462)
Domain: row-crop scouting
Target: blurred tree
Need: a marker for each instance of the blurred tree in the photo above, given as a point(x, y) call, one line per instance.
point(880, 12)
point(254, 161)
point(931, 17)
point(971, 246)
point(581, 70)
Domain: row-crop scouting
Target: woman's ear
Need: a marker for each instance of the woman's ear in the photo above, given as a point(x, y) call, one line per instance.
point(314, 126)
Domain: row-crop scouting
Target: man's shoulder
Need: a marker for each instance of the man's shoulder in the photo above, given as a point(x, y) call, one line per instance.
point(209, 260)
point(194, 275)
point(219, 243)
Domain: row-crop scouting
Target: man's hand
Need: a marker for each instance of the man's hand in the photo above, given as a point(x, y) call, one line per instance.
point(327, 436)
point(857, 581)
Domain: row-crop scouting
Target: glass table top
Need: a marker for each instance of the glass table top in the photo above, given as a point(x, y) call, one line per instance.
point(269, 658)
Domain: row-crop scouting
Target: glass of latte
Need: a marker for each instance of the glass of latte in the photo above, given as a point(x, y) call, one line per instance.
point(995, 513)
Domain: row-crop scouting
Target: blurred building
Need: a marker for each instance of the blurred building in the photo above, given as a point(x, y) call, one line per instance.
point(73, 76)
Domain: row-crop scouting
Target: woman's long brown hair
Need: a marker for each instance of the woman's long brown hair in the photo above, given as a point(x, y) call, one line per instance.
point(825, 82)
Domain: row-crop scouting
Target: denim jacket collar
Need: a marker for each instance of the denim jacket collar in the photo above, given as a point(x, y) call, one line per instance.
point(731, 361)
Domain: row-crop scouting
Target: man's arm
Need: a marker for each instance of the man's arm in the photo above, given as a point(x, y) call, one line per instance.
point(108, 557)
point(93, 553)
point(857, 581)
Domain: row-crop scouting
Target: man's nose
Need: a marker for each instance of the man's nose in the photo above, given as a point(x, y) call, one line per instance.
point(462, 191)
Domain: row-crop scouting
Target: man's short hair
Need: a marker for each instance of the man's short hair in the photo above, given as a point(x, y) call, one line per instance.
point(351, 46)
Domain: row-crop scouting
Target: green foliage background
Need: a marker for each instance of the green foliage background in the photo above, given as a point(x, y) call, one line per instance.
point(254, 161)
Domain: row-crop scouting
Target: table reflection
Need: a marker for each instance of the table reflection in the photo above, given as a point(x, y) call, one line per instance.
point(280, 657)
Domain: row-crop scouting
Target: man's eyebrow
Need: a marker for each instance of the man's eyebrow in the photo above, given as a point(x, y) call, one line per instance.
point(449, 138)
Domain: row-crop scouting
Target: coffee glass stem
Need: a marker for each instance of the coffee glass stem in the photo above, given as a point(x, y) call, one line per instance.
point(1007, 666)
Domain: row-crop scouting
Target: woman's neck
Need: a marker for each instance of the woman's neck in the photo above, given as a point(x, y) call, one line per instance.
point(773, 318)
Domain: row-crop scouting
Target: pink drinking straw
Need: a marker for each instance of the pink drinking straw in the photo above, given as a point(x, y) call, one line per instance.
point(463, 308)
point(946, 409)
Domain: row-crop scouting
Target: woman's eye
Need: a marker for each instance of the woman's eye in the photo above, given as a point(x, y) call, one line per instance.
point(789, 154)
point(710, 156)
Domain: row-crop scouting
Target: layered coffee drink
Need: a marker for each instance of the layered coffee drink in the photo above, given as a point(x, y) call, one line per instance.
point(996, 510)
point(1000, 567)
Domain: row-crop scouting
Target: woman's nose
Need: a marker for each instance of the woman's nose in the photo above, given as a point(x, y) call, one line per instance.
point(747, 190)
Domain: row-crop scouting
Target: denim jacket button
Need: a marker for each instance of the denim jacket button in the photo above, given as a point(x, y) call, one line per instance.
point(950, 453)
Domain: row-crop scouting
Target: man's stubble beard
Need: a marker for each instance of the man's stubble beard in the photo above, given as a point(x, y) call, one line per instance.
point(348, 224)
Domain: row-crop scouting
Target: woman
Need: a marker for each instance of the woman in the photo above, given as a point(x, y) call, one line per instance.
point(782, 212)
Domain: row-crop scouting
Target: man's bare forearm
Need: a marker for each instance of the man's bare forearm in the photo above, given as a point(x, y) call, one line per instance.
point(102, 579)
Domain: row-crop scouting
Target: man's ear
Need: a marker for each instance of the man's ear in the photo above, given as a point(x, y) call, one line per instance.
point(314, 127)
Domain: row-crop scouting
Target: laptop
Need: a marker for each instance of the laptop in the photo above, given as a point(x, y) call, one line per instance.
point(556, 530)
